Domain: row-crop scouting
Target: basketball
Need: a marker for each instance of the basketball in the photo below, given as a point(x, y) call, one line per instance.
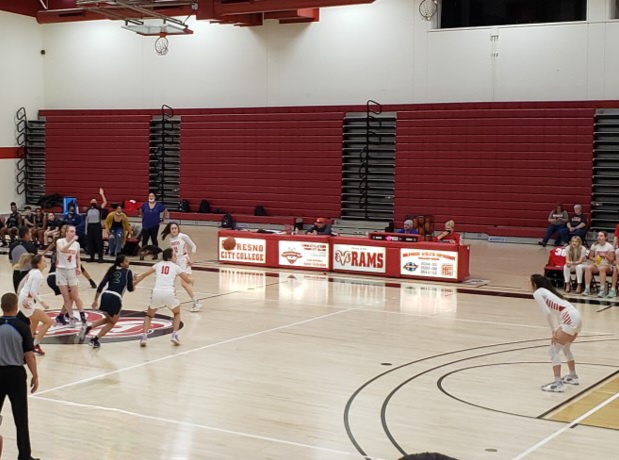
point(229, 243)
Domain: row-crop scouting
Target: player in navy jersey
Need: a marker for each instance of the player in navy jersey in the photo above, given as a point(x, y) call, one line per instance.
point(118, 279)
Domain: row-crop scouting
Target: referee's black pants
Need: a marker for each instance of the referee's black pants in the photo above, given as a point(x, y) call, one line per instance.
point(14, 384)
point(94, 234)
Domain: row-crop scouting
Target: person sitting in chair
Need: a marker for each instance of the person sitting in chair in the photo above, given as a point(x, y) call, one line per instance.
point(558, 219)
point(408, 228)
point(449, 235)
point(320, 227)
point(577, 226)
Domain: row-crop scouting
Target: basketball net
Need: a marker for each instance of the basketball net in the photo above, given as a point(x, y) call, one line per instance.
point(161, 44)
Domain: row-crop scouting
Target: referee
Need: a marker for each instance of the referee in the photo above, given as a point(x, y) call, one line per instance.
point(16, 346)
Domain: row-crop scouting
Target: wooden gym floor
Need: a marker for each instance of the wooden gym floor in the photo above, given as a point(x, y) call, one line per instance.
point(299, 365)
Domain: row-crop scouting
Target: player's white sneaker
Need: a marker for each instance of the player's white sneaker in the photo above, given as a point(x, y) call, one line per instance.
point(586, 292)
point(143, 340)
point(554, 387)
point(570, 379)
point(72, 323)
point(195, 307)
point(601, 293)
point(612, 293)
point(174, 339)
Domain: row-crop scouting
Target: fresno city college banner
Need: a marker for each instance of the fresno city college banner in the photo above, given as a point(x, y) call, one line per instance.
point(306, 254)
point(247, 250)
point(359, 258)
point(428, 263)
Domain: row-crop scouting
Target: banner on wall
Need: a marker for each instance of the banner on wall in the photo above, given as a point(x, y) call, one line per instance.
point(358, 258)
point(304, 254)
point(247, 250)
point(433, 264)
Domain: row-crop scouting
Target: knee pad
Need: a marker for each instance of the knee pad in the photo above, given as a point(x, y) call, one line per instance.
point(567, 351)
point(554, 351)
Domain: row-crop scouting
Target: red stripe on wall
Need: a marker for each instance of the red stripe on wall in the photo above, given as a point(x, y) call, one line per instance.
point(8, 153)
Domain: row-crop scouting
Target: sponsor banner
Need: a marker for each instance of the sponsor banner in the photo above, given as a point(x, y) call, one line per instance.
point(247, 250)
point(358, 258)
point(424, 262)
point(304, 254)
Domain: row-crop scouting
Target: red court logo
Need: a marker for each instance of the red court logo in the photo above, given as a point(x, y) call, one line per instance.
point(343, 257)
point(129, 327)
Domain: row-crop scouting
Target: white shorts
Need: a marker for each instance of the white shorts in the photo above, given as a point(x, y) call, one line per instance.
point(182, 262)
point(571, 322)
point(26, 305)
point(66, 277)
point(162, 298)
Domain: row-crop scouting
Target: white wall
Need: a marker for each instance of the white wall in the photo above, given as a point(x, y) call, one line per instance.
point(21, 85)
point(383, 51)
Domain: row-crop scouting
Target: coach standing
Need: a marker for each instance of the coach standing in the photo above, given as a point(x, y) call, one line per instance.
point(151, 218)
point(16, 346)
point(94, 227)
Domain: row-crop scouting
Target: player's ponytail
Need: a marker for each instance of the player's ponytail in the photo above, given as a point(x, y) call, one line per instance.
point(166, 231)
point(540, 281)
point(23, 261)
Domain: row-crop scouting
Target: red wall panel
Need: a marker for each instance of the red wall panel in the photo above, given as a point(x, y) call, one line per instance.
point(86, 151)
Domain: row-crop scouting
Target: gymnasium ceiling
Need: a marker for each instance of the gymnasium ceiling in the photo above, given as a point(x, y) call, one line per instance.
point(237, 12)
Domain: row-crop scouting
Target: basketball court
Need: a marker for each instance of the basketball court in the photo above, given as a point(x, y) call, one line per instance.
point(305, 365)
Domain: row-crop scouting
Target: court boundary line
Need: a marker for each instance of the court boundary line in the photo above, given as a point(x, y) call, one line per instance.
point(193, 350)
point(200, 426)
point(581, 394)
point(568, 426)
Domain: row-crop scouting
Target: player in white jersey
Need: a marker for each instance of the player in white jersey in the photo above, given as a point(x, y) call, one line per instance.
point(565, 323)
point(29, 301)
point(68, 265)
point(181, 244)
point(164, 293)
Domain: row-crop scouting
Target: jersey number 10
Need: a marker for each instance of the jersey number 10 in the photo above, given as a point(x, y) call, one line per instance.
point(165, 270)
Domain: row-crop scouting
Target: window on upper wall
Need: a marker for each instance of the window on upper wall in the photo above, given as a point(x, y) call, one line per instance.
point(478, 13)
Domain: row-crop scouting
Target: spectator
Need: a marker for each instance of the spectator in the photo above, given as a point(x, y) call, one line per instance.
point(28, 217)
point(52, 228)
point(118, 227)
point(427, 456)
point(40, 222)
point(320, 227)
point(558, 219)
point(94, 229)
point(151, 219)
point(75, 219)
point(17, 348)
point(449, 235)
point(616, 237)
point(23, 245)
point(577, 226)
point(574, 262)
point(408, 228)
point(603, 256)
point(11, 225)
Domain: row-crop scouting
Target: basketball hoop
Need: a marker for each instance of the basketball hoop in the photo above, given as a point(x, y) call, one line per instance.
point(161, 44)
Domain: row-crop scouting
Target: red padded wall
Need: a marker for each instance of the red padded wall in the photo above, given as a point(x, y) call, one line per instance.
point(496, 168)
point(85, 151)
point(489, 168)
point(290, 163)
